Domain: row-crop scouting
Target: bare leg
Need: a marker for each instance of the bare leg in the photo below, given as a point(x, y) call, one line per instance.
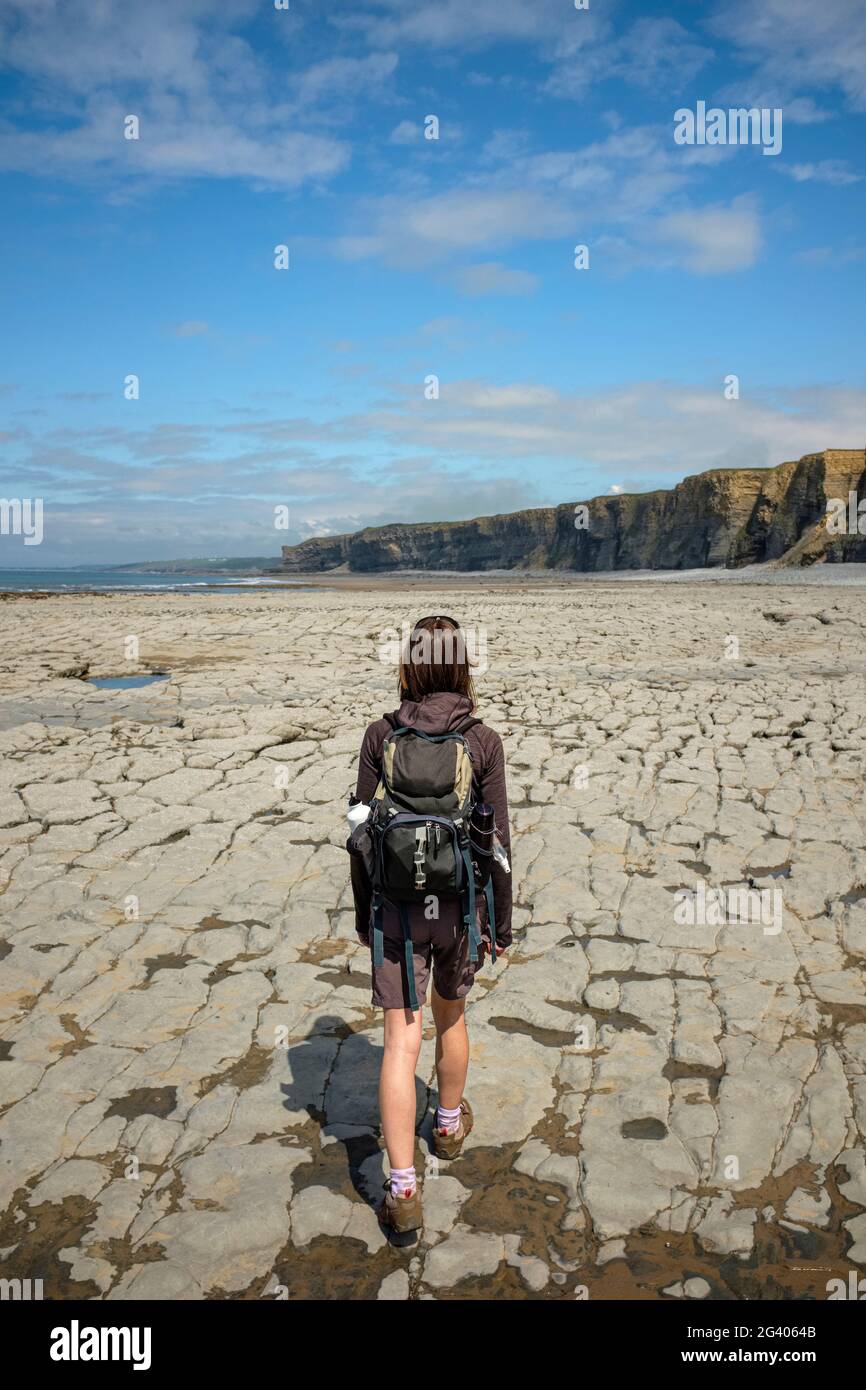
point(397, 1085)
point(452, 1048)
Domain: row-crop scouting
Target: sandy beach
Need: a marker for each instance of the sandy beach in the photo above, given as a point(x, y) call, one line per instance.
point(188, 1055)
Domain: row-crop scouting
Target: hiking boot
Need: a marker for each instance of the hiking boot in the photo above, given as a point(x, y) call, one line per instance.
point(448, 1145)
point(402, 1214)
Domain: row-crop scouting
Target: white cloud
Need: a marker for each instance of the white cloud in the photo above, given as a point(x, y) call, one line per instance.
point(712, 240)
point(176, 48)
point(170, 150)
point(467, 218)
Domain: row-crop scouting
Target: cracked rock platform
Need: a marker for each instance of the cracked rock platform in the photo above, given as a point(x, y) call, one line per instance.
point(188, 1054)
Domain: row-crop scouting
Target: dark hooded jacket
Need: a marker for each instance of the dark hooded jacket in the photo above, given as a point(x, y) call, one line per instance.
point(437, 714)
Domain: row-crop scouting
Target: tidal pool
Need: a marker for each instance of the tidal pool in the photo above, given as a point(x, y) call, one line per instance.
point(127, 682)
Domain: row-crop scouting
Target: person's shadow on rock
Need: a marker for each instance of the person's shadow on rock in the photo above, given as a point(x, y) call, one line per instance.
point(334, 1081)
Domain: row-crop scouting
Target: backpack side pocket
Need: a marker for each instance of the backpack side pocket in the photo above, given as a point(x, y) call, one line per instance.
point(360, 842)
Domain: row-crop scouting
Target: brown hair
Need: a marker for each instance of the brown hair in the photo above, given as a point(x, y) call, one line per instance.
point(434, 658)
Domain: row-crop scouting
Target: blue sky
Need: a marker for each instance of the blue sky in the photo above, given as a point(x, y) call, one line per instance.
point(409, 257)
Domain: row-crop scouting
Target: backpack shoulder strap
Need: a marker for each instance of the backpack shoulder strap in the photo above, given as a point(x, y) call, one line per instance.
point(467, 722)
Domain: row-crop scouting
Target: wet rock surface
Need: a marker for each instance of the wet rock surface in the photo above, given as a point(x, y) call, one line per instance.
point(665, 1108)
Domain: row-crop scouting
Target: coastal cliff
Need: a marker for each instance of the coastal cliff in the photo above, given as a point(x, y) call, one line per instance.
point(725, 517)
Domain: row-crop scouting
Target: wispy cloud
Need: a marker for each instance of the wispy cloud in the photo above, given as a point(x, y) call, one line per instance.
point(797, 47)
point(206, 102)
point(406, 133)
point(630, 191)
point(832, 171)
point(415, 231)
point(833, 256)
point(713, 240)
point(179, 489)
point(556, 130)
point(190, 328)
point(654, 428)
point(492, 277)
point(655, 51)
point(453, 23)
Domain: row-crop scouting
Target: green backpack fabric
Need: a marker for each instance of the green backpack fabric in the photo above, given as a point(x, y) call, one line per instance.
point(419, 823)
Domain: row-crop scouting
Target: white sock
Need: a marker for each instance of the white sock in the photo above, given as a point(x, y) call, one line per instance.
point(447, 1119)
point(403, 1182)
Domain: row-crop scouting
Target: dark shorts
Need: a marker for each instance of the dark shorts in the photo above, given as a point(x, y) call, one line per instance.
point(444, 943)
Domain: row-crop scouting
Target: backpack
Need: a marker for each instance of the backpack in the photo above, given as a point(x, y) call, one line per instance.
point(419, 826)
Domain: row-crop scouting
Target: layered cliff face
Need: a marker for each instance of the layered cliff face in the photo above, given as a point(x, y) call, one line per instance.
point(728, 517)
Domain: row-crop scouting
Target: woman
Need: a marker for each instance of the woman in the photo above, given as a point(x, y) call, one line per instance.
point(437, 696)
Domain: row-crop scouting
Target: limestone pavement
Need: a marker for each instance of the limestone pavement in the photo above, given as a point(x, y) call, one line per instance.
point(188, 1055)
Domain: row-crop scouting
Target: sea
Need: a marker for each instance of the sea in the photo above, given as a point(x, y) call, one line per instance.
point(101, 578)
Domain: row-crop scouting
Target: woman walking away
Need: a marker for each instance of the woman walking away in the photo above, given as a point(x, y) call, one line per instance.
point(432, 887)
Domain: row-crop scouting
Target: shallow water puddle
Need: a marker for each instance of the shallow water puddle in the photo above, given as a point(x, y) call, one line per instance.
point(127, 682)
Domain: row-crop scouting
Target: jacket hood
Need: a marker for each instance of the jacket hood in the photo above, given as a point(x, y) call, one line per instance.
point(435, 714)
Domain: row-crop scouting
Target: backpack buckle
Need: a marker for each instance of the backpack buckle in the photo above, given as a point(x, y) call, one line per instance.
point(420, 857)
